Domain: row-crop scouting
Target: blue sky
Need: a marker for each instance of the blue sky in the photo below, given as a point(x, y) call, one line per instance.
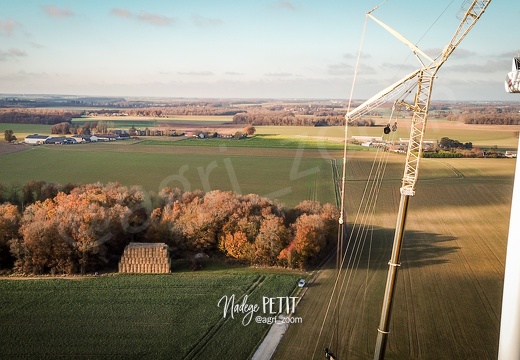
point(246, 49)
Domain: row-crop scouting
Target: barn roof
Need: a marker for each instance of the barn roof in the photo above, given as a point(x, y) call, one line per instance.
point(37, 136)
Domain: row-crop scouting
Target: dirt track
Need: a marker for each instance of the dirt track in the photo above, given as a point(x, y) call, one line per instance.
point(6, 148)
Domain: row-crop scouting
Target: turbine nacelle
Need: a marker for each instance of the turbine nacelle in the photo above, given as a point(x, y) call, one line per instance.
point(512, 82)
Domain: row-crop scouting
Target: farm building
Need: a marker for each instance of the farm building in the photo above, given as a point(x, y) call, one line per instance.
point(36, 139)
point(103, 137)
point(85, 138)
point(367, 138)
point(151, 258)
point(428, 145)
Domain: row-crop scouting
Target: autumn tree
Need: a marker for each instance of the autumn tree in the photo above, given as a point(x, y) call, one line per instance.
point(237, 246)
point(249, 130)
point(78, 231)
point(9, 136)
point(9, 226)
point(61, 128)
point(41, 249)
point(314, 226)
point(32, 191)
point(309, 239)
point(35, 116)
point(272, 238)
point(202, 217)
point(245, 227)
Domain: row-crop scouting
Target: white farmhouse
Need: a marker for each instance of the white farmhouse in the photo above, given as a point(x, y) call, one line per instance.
point(36, 139)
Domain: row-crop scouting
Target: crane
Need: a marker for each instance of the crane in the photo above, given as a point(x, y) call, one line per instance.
point(423, 80)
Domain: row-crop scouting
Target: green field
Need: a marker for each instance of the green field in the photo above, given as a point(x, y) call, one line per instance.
point(257, 141)
point(172, 316)
point(22, 130)
point(294, 174)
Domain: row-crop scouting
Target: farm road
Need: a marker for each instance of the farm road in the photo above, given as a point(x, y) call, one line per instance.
point(266, 349)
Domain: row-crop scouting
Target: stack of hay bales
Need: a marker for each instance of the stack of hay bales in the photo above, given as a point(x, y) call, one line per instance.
point(149, 258)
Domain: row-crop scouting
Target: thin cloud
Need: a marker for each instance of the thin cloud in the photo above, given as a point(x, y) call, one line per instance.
point(143, 16)
point(8, 26)
point(461, 53)
point(11, 53)
point(366, 69)
point(23, 75)
point(509, 54)
point(339, 69)
point(122, 13)
point(36, 45)
point(285, 5)
point(354, 56)
point(279, 74)
point(205, 22)
point(154, 19)
point(17, 52)
point(432, 52)
point(56, 12)
point(196, 73)
point(399, 67)
point(490, 66)
point(233, 73)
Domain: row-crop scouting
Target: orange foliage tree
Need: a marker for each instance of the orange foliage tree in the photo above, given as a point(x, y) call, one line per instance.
point(77, 231)
point(245, 227)
point(87, 227)
point(9, 225)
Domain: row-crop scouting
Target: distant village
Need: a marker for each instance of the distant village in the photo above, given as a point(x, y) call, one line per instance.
point(431, 148)
point(132, 133)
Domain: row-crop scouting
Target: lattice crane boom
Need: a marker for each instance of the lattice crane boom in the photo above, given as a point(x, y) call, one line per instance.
point(422, 99)
point(425, 77)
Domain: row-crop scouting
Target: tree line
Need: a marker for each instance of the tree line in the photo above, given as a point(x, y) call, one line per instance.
point(77, 229)
point(494, 118)
point(264, 117)
point(88, 128)
point(36, 116)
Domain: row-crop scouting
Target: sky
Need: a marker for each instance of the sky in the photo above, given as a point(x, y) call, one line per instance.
point(247, 49)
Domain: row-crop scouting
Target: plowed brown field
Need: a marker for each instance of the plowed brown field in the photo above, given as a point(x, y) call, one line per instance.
point(448, 295)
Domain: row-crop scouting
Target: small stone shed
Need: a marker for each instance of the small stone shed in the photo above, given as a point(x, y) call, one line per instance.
point(148, 258)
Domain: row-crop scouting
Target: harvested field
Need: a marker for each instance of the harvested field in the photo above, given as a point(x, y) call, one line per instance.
point(484, 136)
point(448, 295)
point(6, 148)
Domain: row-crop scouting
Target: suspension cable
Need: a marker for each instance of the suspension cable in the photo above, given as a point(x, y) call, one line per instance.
point(341, 219)
point(357, 239)
point(364, 222)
